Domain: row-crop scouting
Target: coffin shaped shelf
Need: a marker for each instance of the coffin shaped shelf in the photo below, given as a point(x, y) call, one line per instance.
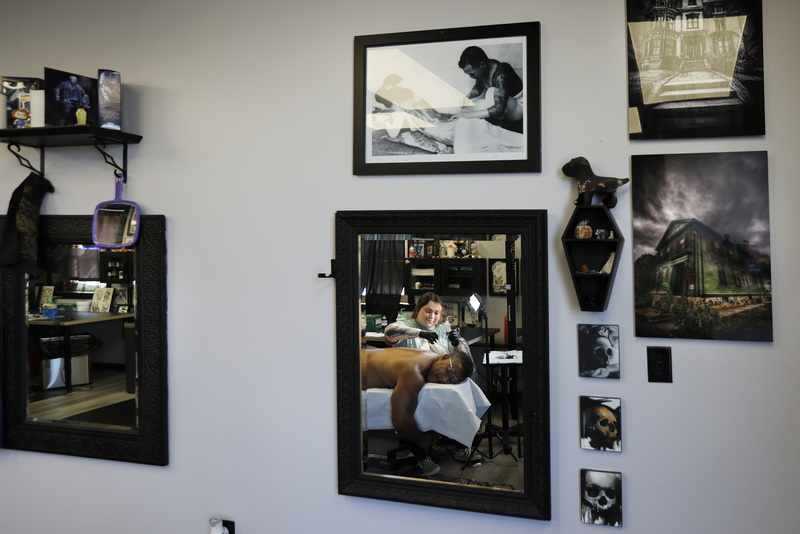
point(588, 257)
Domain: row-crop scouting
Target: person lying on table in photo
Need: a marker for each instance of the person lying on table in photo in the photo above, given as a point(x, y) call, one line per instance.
point(487, 119)
point(406, 371)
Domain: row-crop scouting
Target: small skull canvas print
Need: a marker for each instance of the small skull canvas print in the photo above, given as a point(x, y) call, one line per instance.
point(601, 497)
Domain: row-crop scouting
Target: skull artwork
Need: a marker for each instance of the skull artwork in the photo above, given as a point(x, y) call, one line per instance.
point(605, 422)
point(599, 351)
point(601, 426)
point(599, 490)
point(601, 501)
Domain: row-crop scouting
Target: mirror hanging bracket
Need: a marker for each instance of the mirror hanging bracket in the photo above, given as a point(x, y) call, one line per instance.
point(100, 145)
point(15, 149)
point(331, 274)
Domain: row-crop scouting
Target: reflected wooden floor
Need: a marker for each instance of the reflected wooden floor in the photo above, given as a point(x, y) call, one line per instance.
point(107, 388)
point(505, 470)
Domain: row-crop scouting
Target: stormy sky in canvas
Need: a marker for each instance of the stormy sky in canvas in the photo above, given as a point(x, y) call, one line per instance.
point(727, 192)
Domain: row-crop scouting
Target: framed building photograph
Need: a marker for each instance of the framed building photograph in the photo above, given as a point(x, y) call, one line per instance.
point(460, 100)
point(695, 68)
point(701, 246)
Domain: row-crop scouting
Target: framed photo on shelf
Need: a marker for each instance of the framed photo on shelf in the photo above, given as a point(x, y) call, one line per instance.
point(70, 98)
point(17, 91)
point(120, 300)
point(459, 100)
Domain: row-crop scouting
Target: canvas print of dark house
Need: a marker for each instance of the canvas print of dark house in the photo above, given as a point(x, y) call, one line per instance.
point(695, 68)
point(701, 246)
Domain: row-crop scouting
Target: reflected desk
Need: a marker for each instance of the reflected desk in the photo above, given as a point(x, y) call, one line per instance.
point(65, 324)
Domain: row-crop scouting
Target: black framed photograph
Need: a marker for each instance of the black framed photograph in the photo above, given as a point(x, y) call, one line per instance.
point(459, 100)
point(695, 69)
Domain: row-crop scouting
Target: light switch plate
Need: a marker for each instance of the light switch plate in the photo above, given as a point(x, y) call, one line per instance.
point(659, 364)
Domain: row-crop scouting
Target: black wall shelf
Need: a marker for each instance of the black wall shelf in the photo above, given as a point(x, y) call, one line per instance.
point(54, 136)
point(447, 277)
point(68, 136)
point(592, 288)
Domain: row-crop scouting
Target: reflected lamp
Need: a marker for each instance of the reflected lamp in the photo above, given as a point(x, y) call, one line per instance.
point(475, 303)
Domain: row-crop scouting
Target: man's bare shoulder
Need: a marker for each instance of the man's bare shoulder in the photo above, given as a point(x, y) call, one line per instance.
point(388, 367)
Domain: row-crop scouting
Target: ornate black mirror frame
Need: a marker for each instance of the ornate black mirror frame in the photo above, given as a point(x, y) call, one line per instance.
point(531, 225)
point(149, 444)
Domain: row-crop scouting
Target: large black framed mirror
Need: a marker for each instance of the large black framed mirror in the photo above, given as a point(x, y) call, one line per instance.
point(491, 455)
point(85, 345)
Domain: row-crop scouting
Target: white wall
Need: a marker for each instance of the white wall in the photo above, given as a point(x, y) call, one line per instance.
point(245, 108)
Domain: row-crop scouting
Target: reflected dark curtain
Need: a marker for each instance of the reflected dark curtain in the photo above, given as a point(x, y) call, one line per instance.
point(382, 275)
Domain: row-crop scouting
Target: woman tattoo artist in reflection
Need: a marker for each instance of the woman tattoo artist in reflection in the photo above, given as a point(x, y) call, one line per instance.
point(424, 330)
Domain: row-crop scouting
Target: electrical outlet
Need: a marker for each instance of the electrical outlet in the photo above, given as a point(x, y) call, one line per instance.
point(659, 364)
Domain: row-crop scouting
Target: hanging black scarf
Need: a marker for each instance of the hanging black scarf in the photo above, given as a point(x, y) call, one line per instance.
point(20, 238)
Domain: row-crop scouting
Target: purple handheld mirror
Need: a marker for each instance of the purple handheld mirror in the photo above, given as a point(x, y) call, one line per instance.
point(116, 222)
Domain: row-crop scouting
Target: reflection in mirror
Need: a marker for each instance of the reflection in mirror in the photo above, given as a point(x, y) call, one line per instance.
point(80, 303)
point(424, 292)
point(84, 350)
point(116, 224)
point(477, 440)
